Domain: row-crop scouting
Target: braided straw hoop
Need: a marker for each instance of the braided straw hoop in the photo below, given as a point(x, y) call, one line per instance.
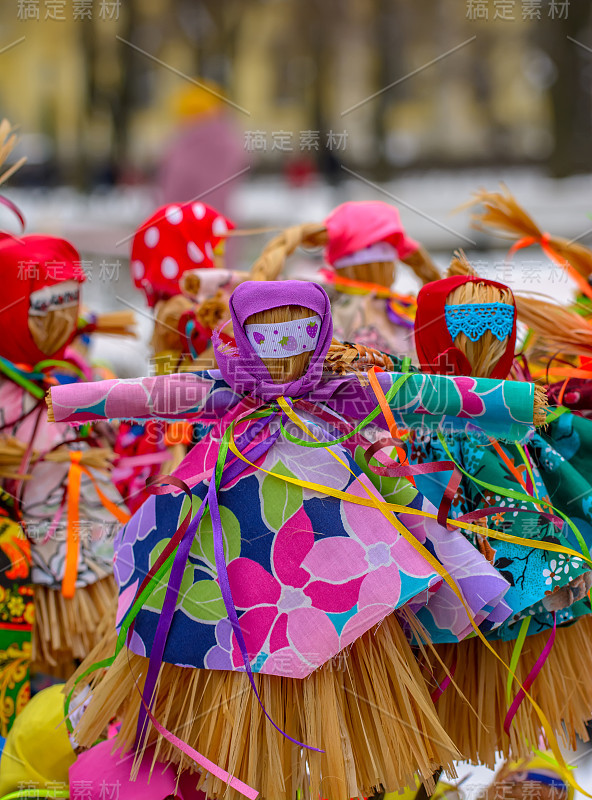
point(272, 260)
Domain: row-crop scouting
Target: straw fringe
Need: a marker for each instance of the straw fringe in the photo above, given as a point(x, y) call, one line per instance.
point(116, 323)
point(66, 630)
point(49, 403)
point(369, 709)
point(541, 406)
point(562, 689)
point(12, 451)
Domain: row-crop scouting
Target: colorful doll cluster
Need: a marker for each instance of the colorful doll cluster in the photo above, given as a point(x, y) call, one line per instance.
point(358, 548)
point(275, 552)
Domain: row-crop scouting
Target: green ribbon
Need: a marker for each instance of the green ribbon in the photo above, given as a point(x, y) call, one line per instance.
point(553, 415)
point(521, 638)
point(366, 421)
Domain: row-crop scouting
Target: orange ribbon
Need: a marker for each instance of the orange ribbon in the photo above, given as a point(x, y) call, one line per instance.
point(72, 540)
point(73, 519)
point(545, 242)
point(364, 287)
point(388, 415)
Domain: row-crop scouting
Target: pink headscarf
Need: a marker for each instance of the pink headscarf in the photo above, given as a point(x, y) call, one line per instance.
point(354, 226)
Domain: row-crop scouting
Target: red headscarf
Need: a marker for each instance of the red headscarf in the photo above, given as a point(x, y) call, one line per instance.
point(435, 348)
point(354, 226)
point(28, 264)
point(176, 238)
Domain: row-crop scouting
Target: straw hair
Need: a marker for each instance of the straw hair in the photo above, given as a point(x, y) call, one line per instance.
point(502, 215)
point(369, 710)
point(421, 263)
point(283, 370)
point(167, 314)
point(51, 331)
point(8, 140)
point(484, 354)
point(562, 689)
point(272, 260)
point(380, 272)
point(67, 629)
point(383, 272)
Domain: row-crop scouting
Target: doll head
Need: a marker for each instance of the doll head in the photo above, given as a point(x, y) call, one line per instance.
point(362, 241)
point(466, 325)
point(291, 323)
point(366, 239)
point(538, 777)
point(283, 330)
point(174, 239)
point(41, 279)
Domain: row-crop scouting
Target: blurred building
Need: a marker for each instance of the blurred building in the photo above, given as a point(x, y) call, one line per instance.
point(378, 84)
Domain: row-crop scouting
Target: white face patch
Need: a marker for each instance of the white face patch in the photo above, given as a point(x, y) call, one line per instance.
point(50, 298)
point(380, 252)
point(284, 339)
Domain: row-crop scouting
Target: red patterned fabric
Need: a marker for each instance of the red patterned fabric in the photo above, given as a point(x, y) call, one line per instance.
point(176, 238)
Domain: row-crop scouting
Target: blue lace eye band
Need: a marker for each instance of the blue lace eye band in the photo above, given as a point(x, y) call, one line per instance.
point(473, 319)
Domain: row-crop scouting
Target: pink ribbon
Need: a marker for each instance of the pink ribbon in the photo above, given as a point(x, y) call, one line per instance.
point(530, 678)
point(441, 687)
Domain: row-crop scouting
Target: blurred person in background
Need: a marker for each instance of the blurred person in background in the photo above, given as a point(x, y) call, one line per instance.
point(204, 153)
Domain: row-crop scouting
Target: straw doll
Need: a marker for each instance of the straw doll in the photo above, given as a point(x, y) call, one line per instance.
point(362, 243)
point(60, 482)
point(286, 571)
point(560, 449)
point(175, 239)
point(466, 325)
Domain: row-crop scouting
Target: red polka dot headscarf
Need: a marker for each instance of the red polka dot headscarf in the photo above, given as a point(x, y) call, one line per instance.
point(176, 238)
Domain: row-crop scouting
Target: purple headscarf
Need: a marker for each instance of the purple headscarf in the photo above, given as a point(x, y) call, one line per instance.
point(243, 369)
